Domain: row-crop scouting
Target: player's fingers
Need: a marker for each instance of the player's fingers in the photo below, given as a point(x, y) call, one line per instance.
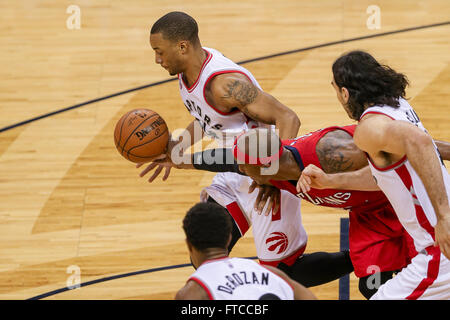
point(306, 179)
point(258, 199)
point(139, 165)
point(166, 174)
point(298, 187)
point(269, 206)
point(264, 199)
point(156, 173)
point(277, 203)
point(150, 167)
point(302, 186)
point(252, 187)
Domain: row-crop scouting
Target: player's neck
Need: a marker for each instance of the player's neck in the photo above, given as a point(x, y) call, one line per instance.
point(194, 66)
point(213, 254)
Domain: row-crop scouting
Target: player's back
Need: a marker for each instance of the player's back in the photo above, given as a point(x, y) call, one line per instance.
point(240, 279)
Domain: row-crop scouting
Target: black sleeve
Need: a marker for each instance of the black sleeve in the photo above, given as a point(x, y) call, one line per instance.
point(215, 160)
point(313, 269)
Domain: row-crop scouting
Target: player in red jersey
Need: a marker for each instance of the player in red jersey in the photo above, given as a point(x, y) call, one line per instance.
point(378, 242)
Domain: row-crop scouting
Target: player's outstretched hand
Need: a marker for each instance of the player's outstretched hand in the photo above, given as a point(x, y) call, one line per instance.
point(159, 164)
point(312, 177)
point(442, 234)
point(266, 195)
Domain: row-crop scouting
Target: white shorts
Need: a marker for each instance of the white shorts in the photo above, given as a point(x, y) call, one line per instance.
point(279, 237)
point(427, 277)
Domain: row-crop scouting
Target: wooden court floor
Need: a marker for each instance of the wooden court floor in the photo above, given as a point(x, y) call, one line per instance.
point(72, 209)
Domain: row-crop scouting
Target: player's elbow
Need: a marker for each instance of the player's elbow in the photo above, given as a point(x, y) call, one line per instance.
point(420, 139)
point(289, 119)
point(296, 120)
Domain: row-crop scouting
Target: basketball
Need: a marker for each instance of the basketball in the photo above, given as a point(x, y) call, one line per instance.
point(141, 135)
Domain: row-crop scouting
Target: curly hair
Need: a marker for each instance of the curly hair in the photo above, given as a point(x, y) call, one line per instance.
point(207, 225)
point(368, 82)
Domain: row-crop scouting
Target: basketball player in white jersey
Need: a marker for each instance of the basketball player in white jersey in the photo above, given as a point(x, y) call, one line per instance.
point(406, 166)
point(225, 100)
point(218, 277)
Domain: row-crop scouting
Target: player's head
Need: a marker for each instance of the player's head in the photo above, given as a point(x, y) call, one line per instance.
point(258, 153)
point(361, 81)
point(208, 227)
point(173, 37)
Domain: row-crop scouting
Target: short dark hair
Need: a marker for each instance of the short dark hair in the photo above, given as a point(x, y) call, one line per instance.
point(207, 225)
point(176, 26)
point(368, 82)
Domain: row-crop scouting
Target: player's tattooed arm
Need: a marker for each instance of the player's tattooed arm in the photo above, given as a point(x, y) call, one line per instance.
point(337, 153)
point(234, 91)
point(344, 166)
point(333, 160)
point(242, 92)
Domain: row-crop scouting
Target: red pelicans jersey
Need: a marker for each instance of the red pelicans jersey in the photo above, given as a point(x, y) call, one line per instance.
point(374, 226)
point(304, 150)
point(216, 123)
point(240, 279)
point(428, 275)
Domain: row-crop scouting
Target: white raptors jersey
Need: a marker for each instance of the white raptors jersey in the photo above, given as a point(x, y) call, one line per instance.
point(403, 186)
point(278, 238)
point(214, 122)
point(240, 279)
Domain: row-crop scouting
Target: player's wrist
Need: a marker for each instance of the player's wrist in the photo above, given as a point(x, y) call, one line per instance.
point(331, 181)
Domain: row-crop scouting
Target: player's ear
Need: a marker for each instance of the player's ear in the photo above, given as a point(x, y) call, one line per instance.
point(183, 46)
point(345, 94)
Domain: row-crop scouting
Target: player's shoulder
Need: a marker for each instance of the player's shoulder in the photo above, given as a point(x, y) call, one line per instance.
point(371, 130)
point(192, 291)
point(222, 81)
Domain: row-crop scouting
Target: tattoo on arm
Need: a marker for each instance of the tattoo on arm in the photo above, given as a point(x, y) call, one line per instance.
point(332, 156)
point(244, 93)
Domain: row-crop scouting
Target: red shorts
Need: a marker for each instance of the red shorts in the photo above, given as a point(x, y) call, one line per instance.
point(378, 241)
